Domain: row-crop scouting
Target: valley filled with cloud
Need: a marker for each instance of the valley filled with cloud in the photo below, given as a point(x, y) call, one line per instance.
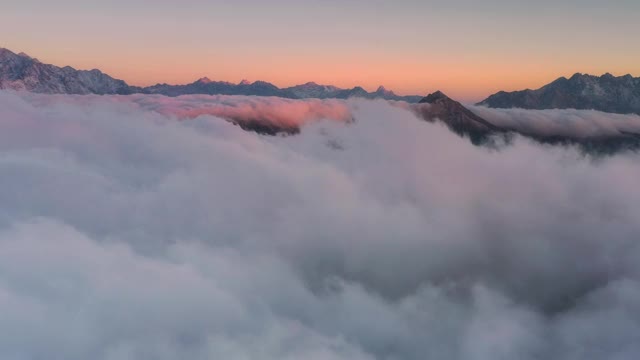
point(150, 227)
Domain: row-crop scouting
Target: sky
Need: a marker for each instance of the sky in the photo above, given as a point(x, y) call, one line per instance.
point(467, 48)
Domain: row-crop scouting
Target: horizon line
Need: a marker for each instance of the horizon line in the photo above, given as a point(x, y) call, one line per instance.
point(279, 85)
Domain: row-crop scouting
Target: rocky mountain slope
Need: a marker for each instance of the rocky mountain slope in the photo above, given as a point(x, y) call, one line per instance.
point(440, 107)
point(606, 93)
point(482, 131)
point(22, 72)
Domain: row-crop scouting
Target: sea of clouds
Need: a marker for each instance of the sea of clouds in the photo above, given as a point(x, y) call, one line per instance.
point(127, 234)
point(571, 123)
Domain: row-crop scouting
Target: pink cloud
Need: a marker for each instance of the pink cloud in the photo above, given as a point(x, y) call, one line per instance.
point(244, 110)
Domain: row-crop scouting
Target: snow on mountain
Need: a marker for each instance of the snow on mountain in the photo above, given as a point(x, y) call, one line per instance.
point(22, 72)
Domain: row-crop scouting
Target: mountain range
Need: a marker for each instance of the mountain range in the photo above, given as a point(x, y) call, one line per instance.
point(22, 72)
point(605, 93)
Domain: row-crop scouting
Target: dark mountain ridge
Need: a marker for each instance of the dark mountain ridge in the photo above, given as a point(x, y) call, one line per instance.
point(465, 123)
point(605, 93)
point(438, 106)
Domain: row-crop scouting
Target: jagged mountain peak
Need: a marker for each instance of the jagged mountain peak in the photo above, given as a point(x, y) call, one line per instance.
point(435, 97)
point(6, 52)
point(384, 91)
point(607, 93)
point(204, 80)
point(23, 55)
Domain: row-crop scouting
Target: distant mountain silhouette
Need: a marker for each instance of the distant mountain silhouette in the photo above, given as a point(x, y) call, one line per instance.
point(22, 72)
point(208, 87)
point(606, 93)
point(313, 90)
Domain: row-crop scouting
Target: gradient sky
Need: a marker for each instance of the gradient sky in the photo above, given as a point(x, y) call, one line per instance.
point(467, 48)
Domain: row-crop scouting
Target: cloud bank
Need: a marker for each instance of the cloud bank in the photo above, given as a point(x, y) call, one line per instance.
point(125, 234)
point(561, 122)
point(273, 112)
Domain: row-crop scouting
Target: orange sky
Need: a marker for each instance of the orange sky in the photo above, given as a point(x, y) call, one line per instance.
point(412, 47)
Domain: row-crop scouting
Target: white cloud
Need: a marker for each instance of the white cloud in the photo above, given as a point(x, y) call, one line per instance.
point(271, 111)
point(561, 122)
point(125, 234)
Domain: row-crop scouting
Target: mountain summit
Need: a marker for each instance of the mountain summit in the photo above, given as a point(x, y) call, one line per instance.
point(606, 93)
point(438, 106)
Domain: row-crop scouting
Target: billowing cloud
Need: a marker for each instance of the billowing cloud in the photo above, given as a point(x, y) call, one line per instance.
point(125, 234)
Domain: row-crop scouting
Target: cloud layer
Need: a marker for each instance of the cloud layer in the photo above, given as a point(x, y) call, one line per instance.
point(561, 122)
point(125, 234)
point(244, 110)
